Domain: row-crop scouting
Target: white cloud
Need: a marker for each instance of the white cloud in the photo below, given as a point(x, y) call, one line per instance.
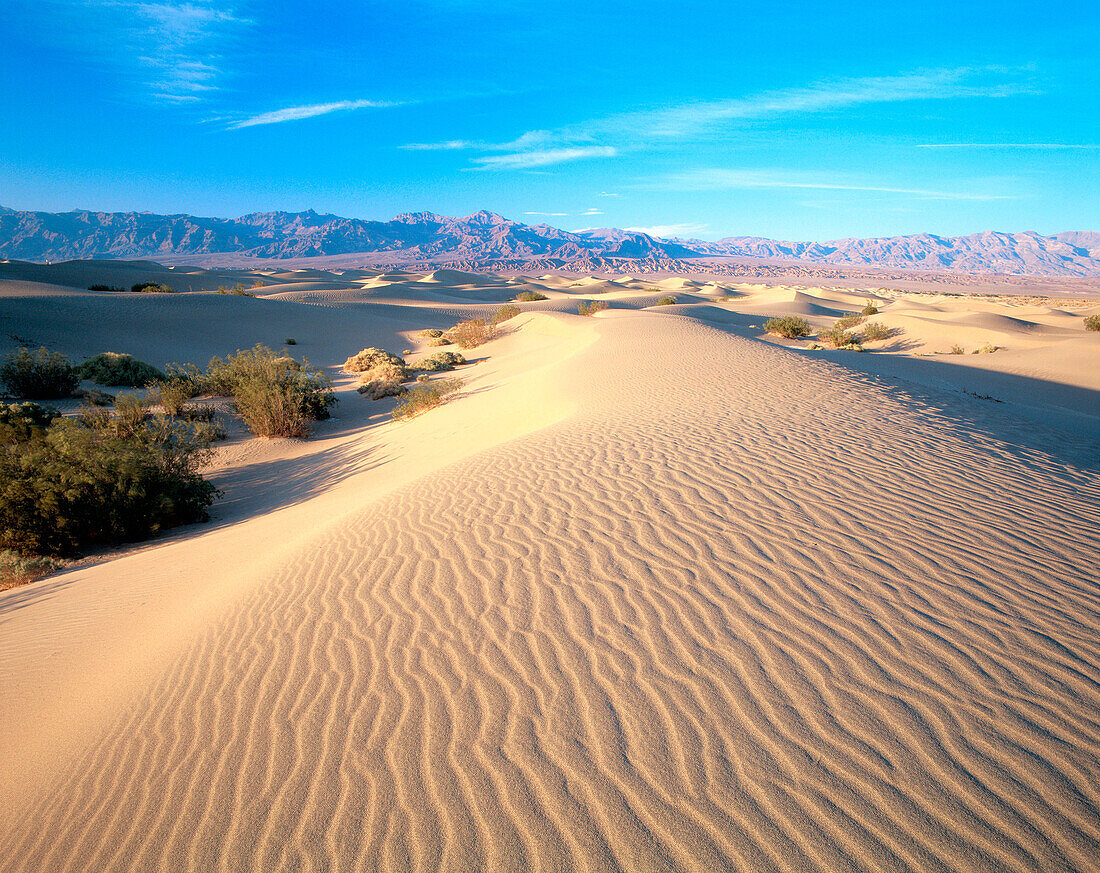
point(715, 179)
point(607, 194)
point(665, 231)
point(449, 145)
point(542, 158)
point(297, 113)
point(592, 211)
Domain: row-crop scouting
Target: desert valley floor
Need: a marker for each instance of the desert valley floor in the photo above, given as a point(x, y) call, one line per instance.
point(652, 592)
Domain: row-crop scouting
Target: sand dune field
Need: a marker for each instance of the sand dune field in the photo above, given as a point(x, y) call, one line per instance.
point(654, 592)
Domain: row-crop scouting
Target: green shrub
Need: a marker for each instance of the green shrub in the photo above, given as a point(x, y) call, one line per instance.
point(423, 377)
point(16, 569)
point(958, 350)
point(591, 307)
point(789, 326)
point(1092, 322)
point(849, 319)
point(530, 297)
point(115, 369)
point(506, 312)
point(370, 358)
point(472, 333)
point(80, 483)
point(151, 288)
point(838, 338)
point(40, 375)
point(179, 386)
point(666, 301)
point(439, 341)
point(22, 421)
point(106, 288)
point(441, 361)
point(870, 308)
point(275, 395)
point(425, 396)
point(239, 290)
point(290, 341)
point(987, 349)
point(875, 331)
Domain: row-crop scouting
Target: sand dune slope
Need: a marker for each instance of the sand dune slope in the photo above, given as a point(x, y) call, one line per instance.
point(743, 611)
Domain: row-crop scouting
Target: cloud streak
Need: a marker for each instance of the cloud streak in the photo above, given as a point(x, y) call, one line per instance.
point(298, 113)
point(542, 158)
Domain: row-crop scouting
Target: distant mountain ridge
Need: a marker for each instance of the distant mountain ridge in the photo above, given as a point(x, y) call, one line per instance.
point(486, 238)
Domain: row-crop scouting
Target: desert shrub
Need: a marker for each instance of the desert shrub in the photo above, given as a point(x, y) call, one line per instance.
point(275, 395)
point(506, 312)
point(39, 375)
point(838, 338)
point(873, 331)
point(106, 288)
point(439, 341)
point(987, 349)
point(20, 422)
point(789, 326)
point(93, 396)
point(441, 361)
point(376, 389)
point(425, 396)
point(82, 484)
point(666, 301)
point(423, 377)
point(472, 333)
point(385, 372)
point(115, 369)
point(177, 388)
point(151, 288)
point(591, 307)
point(431, 333)
point(370, 358)
point(530, 297)
point(958, 350)
point(1092, 322)
point(129, 417)
point(16, 569)
point(869, 309)
point(290, 341)
point(849, 319)
point(238, 290)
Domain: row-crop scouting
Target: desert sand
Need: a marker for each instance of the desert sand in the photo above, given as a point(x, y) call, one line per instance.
point(654, 591)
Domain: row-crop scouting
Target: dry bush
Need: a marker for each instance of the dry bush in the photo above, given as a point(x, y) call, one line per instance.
point(16, 569)
point(1092, 322)
point(838, 338)
point(387, 371)
point(591, 307)
point(107, 288)
point(431, 333)
point(439, 341)
point(506, 312)
point(370, 358)
point(39, 375)
point(789, 326)
point(530, 297)
point(666, 301)
point(869, 309)
point(441, 361)
point(239, 290)
point(379, 388)
point(151, 288)
point(119, 370)
point(957, 350)
point(849, 319)
point(873, 331)
point(987, 349)
point(472, 333)
point(425, 396)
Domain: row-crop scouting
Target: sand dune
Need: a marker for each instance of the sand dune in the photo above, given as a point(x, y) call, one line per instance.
point(651, 594)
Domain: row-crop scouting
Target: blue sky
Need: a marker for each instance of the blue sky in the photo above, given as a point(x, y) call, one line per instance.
point(795, 120)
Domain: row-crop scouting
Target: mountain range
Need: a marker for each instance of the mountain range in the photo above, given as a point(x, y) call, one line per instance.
point(486, 239)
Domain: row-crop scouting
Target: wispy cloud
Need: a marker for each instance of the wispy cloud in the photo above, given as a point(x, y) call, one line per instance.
point(297, 113)
point(542, 158)
point(1008, 145)
point(592, 211)
point(449, 145)
point(715, 179)
point(664, 231)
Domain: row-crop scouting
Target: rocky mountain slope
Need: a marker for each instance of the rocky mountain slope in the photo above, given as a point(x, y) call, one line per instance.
point(486, 239)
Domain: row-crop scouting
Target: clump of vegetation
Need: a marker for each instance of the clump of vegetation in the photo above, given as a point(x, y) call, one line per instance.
point(370, 358)
point(1092, 322)
point(39, 375)
point(290, 341)
point(440, 362)
point(439, 341)
point(424, 397)
point(591, 307)
point(987, 349)
point(423, 377)
point(789, 326)
point(93, 396)
point(506, 312)
point(472, 333)
point(530, 297)
point(151, 288)
point(274, 394)
point(849, 319)
point(666, 301)
point(873, 331)
point(869, 309)
point(178, 386)
point(106, 288)
point(18, 421)
point(16, 569)
point(115, 369)
point(238, 290)
point(74, 483)
point(957, 350)
point(376, 389)
point(431, 333)
point(838, 338)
